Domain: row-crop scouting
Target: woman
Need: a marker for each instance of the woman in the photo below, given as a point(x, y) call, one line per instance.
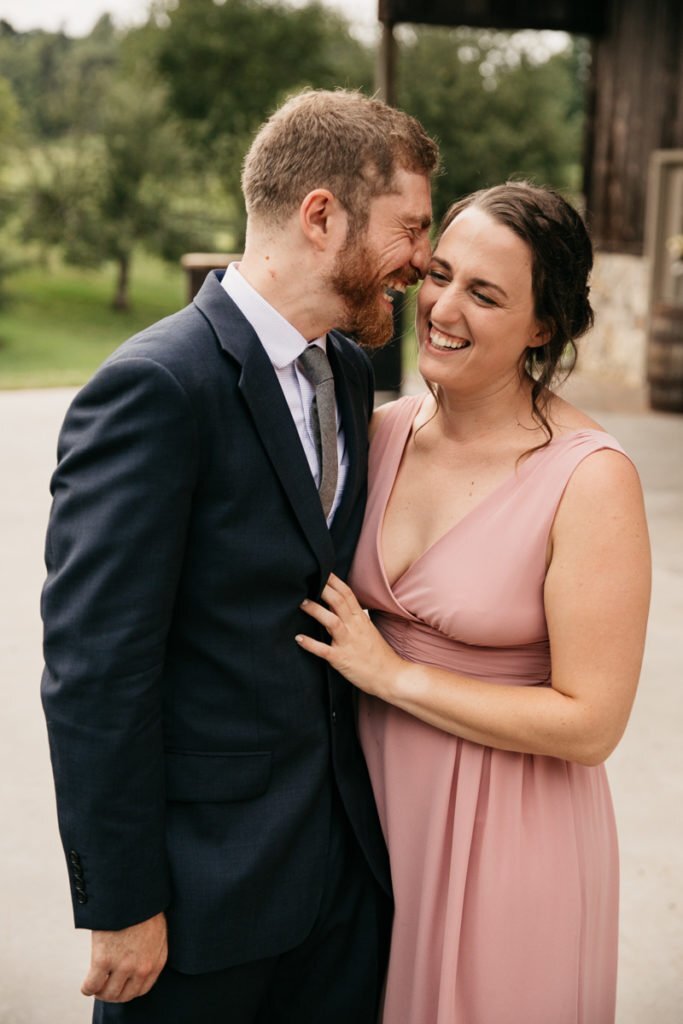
point(505, 560)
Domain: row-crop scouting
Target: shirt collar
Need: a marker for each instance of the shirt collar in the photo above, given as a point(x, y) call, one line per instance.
point(282, 342)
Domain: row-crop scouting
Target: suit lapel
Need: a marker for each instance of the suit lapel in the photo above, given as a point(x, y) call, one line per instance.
point(270, 413)
point(273, 420)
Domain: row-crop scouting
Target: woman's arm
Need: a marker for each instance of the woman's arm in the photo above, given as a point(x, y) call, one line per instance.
point(596, 599)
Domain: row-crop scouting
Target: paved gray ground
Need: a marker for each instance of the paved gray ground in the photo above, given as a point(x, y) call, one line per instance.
point(42, 959)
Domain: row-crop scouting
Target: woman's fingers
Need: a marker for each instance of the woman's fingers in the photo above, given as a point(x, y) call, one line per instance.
point(340, 597)
point(328, 619)
point(317, 647)
point(342, 607)
point(357, 649)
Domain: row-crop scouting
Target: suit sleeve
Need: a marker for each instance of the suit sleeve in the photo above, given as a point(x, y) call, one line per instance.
point(122, 497)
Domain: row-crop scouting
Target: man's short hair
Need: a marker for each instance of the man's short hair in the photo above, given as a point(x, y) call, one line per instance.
point(334, 139)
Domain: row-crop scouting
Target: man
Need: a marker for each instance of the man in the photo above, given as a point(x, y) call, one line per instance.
point(214, 807)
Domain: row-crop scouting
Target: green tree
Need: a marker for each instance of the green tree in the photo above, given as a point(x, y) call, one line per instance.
point(9, 115)
point(101, 195)
point(9, 119)
point(496, 109)
point(60, 82)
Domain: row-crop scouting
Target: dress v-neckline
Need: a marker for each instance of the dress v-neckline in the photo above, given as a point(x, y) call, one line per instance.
point(505, 484)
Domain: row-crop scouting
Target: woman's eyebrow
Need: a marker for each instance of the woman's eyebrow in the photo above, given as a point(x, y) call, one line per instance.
point(481, 282)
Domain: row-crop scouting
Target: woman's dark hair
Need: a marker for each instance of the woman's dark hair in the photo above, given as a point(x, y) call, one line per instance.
point(561, 261)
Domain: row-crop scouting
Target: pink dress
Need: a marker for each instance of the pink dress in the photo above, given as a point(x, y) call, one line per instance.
point(504, 865)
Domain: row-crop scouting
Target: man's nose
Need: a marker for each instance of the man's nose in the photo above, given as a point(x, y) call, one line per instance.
point(422, 254)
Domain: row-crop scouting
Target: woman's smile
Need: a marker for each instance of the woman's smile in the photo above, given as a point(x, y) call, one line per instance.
point(442, 341)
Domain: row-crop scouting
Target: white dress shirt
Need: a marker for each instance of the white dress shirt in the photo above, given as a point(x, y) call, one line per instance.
point(283, 345)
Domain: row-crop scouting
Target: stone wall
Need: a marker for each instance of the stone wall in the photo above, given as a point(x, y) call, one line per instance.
point(615, 349)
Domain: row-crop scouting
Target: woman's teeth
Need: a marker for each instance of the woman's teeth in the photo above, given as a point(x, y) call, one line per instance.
point(440, 340)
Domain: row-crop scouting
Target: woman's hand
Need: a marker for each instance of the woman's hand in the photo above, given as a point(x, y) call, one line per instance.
point(357, 649)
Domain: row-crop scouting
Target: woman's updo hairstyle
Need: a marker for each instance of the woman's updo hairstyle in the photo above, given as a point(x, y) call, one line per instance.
point(561, 261)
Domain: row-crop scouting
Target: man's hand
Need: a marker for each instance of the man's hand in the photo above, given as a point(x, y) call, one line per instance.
point(126, 963)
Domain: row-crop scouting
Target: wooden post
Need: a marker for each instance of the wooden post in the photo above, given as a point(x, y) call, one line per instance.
point(635, 107)
point(385, 73)
point(387, 361)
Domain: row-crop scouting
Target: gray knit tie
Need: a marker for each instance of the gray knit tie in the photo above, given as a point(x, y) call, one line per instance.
point(316, 367)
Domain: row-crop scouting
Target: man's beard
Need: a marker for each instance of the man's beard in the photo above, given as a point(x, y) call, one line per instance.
point(354, 279)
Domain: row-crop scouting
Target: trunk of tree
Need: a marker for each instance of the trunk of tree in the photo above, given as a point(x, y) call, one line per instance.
point(121, 300)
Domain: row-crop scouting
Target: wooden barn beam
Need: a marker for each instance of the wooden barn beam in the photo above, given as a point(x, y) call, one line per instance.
point(635, 107)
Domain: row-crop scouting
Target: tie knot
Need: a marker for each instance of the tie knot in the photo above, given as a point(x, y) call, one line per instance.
point(315, 365)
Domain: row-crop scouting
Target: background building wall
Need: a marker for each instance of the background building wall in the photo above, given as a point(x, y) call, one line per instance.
point(615, 349)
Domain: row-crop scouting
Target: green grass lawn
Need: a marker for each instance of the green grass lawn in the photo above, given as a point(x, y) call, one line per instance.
point(57, 324)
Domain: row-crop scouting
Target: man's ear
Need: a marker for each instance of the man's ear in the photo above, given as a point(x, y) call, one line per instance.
point(322, 218)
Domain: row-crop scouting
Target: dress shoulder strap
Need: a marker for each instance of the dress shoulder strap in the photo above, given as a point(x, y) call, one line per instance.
point(565, 452)
point(395, 421)
point(551, 468)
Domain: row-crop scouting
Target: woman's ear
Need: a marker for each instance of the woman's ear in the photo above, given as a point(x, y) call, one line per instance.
point(322, 218)
point(542, 336)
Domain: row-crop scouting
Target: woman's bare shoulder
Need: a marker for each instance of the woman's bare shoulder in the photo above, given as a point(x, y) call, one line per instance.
point(565, 417)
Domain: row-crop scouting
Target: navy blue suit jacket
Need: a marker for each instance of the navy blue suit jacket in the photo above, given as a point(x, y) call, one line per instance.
point(195, 746)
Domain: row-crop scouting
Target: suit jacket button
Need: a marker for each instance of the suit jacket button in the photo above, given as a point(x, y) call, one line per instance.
point(82, 898)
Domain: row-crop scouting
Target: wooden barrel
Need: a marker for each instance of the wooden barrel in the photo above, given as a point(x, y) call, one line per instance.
point(665, 358)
